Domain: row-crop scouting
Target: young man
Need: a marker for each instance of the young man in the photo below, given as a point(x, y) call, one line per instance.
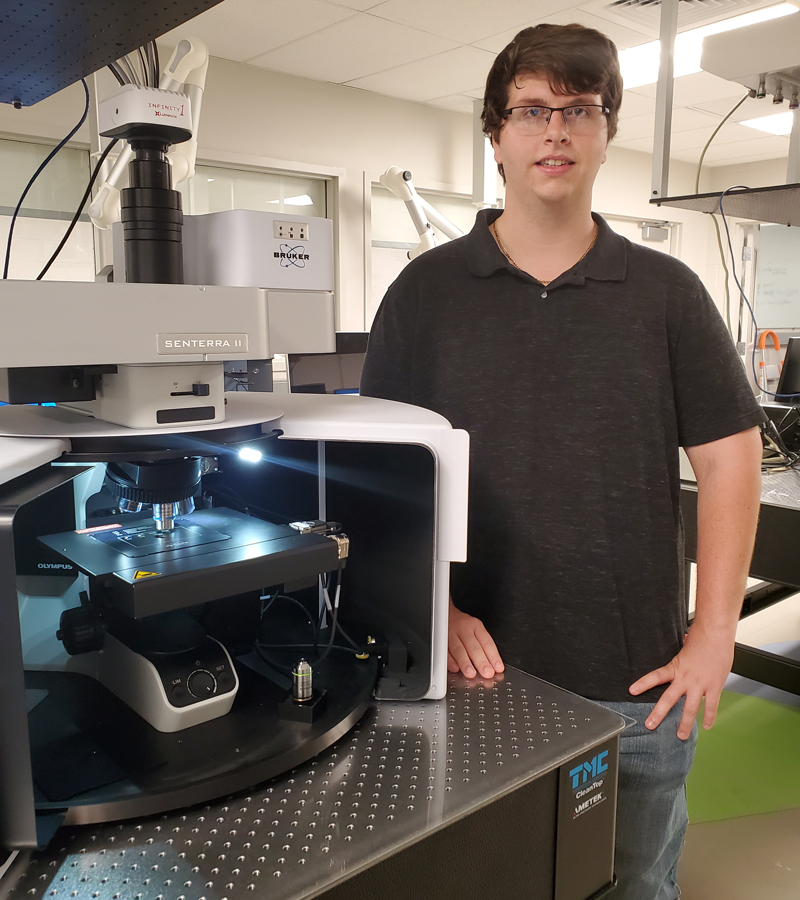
point(579, 363)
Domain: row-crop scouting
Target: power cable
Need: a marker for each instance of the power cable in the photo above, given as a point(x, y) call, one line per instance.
point(145, 67)
point(38, 172)
point(713, 217)
point(714, 134)
point(77, 215)
point(127, 65)
point(115, 72)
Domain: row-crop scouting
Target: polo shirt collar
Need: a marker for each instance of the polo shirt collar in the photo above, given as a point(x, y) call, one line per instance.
point(606, 261)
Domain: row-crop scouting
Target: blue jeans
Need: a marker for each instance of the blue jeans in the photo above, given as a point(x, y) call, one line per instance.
point(651, 804)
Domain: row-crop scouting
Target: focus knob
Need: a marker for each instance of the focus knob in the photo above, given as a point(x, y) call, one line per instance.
point(202, 684)
point(80, 631)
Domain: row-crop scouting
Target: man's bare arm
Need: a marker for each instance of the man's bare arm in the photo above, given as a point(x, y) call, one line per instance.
point(728, 473)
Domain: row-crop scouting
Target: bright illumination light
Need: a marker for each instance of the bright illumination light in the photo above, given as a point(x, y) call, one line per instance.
point(250, 454)
point(779, 123)
point(302, 200)
point(639, 65)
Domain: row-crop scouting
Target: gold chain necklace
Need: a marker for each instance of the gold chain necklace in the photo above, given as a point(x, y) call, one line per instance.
point(493, 229)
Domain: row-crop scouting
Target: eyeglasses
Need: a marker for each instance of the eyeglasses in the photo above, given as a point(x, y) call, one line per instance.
point(585, 119)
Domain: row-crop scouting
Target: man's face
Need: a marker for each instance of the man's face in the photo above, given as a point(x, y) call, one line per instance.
point(555, 166)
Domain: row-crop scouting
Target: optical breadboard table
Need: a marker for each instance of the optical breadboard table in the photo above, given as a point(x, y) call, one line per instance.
point(507, 787)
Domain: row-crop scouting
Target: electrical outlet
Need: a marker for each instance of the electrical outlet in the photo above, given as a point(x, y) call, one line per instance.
point(294, 231)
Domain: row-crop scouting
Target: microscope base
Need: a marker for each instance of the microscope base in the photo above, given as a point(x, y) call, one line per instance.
point(94, 760)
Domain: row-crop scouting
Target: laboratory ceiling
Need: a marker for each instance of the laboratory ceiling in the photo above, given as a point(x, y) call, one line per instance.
point(438, 52)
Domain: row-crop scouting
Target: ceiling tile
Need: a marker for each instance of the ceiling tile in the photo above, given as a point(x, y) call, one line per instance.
point(687, 156)
point(634, 104)
point(633, 127)
point(645, 144)
point(776, 145)
point(360, 5)
point(646, 16)
point(688, 89)
point(732, 133)
point(735, 159)
point(241, 29)
point(411, 49)
point(437, 76)
point(498, 42)
point(623, 37)
point(683, 119)
point(750, 109)
point(468, 21)
point(694, 139)
point(358, 46)
point(455, 102)
point(768, 147)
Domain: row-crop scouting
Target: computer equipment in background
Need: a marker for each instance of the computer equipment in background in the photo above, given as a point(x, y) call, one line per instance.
point(329, 373)
point(788, 390)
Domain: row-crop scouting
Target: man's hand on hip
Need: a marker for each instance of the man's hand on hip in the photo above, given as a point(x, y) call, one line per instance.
point(470, 648)
point(698, 671)
point(728, 473)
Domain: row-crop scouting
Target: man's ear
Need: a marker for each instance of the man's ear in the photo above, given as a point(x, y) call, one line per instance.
point(496, 149)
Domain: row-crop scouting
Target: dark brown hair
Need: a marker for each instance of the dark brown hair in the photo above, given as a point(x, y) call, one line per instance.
point(571, 57)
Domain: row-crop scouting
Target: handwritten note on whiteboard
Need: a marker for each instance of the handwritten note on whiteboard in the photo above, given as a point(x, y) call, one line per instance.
point(777, 300)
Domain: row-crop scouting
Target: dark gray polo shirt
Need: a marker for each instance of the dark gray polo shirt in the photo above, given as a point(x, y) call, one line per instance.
point(576, 397)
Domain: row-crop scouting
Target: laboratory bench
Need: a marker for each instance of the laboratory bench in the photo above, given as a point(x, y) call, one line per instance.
point(776, 560)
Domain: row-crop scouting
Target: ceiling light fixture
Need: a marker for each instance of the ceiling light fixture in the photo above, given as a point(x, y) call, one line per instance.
point(778, 123)
point(301, 200)
point(639, 65)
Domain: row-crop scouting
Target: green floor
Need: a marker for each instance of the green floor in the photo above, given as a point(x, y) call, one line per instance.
point(748, 762)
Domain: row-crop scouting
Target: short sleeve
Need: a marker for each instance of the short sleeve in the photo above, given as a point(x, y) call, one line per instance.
point(713, 398)
point(388, 366)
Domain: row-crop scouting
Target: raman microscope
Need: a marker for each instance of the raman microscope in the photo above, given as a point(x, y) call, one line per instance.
point(200, 589)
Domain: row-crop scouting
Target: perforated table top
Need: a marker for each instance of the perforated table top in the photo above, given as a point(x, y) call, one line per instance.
point(46, 45)
point(404, 771)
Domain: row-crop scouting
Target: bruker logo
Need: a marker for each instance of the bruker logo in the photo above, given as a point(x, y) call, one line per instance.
point(291, 256)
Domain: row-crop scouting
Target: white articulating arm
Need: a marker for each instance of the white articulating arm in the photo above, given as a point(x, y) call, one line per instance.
point(185, 72)
point(423, 215)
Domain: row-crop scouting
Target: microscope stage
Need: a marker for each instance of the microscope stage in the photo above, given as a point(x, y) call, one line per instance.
point(144, 539)
point(211, 554)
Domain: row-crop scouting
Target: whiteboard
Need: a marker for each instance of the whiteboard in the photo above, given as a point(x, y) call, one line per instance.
point(777, 296)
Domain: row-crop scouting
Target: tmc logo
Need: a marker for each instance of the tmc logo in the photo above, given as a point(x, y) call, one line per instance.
point(582, 773)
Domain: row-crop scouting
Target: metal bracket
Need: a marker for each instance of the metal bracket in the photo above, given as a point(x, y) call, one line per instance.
point(663, 125)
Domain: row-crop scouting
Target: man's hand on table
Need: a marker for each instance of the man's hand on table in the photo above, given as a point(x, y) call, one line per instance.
point(470, 648)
